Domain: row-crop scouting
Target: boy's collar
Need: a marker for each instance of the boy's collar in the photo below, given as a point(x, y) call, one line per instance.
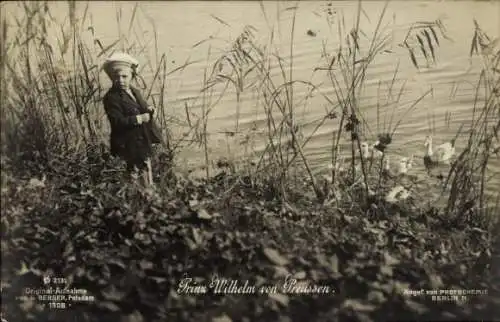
point(118, 89)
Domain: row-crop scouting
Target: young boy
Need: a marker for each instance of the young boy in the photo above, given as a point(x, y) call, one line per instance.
point(133, 130)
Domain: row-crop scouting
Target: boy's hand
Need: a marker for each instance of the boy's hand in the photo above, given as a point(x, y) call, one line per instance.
point(143, 118)
point(151, 108)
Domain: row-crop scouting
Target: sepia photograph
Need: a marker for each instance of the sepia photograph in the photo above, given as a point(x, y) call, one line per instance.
point(241, 161)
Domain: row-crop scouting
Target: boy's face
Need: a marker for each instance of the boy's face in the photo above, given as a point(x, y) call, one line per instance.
point(122, 77)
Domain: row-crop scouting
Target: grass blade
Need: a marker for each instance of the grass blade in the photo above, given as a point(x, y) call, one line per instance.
point(131, 23)
point(108, 48)
point(220, 20)
point(434, 35)
point(422, 47)
point(429, 43)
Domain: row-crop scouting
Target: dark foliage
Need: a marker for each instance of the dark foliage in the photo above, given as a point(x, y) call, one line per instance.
point(131, 247)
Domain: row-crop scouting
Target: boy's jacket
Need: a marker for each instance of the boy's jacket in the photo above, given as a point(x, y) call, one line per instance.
point(128, 138)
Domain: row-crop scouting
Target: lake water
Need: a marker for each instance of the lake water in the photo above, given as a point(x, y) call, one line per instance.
point(180, 25)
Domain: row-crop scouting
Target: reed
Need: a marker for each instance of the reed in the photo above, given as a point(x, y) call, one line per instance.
point(252, 64)
point(468, 177)
point(346, 69)
point(54, 99)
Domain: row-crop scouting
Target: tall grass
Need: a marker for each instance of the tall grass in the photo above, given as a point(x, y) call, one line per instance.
point(54, 106)
point(54, 96)
point(347, 74)
point(467, 179)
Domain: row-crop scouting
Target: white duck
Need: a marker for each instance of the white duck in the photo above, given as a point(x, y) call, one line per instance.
point(376, 153)
point(401, 171)
point(495, 148)
point(409, 164)
point(403, 165)
point(339, 168)
point(442, 154)
point(386, 170)
point(365, 150)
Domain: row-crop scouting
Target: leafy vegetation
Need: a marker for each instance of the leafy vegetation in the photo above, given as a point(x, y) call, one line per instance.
point(67, 212)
